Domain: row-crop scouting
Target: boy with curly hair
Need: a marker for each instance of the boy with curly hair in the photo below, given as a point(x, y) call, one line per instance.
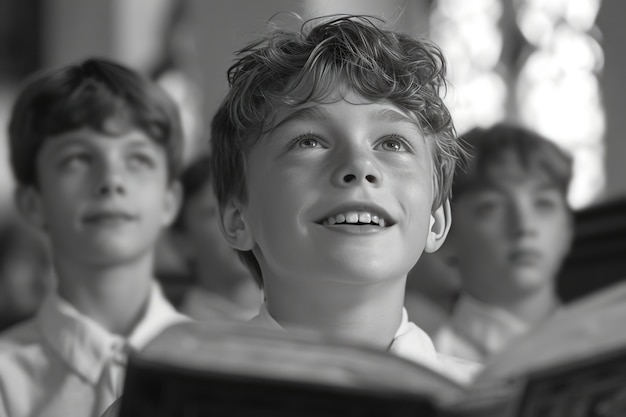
point(333, 155)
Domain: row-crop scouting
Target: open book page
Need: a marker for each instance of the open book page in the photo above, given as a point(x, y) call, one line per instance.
point(573, 364)
point(241, 368)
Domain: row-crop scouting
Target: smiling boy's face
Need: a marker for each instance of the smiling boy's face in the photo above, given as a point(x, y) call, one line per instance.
point(339, 191)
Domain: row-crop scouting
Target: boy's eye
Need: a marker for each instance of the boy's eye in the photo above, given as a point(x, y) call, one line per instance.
point(141, 160)
point(308, 142)
point(394, 144)
point(487, 206)
point(75, 160)
point(545, 203)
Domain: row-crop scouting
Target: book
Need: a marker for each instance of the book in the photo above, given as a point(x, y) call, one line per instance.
point(572, 365)
point(234, 369)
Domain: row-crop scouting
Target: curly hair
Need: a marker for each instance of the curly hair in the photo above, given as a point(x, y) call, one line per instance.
point(308, 65)
point(89, 94)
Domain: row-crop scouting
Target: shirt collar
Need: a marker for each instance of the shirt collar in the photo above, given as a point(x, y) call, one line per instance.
point(85, 346)
point(409, 341)
point(487, 327)
point(412, 343)
point(265, 320)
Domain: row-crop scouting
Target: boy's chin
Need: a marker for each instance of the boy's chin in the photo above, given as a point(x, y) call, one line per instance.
point(530, 281)
point(364, 274)
point(110, 255)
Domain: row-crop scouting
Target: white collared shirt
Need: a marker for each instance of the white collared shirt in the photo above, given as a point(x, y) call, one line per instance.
point(477, 330)
point(409, 342)
point(63, 363)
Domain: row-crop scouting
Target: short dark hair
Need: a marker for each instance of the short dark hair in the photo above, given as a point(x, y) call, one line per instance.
point(331, 52)
point(88, 94)
point(486, 147)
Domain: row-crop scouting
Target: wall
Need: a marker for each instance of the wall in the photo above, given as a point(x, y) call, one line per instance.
point(124, 30)
point(223, 26)
point(611, 23)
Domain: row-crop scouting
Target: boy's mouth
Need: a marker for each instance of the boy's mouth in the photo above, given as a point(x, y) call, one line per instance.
point(108, 217)
point(524, 256)
point(357, 218)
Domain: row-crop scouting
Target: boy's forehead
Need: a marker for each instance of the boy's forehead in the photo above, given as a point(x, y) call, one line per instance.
point(88, 134)
point(117, 124)
point(507, 173)
point(318, 110)
point(112, 125)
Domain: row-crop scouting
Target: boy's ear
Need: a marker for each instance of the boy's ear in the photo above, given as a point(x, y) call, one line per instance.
point(172, 203)
point(234, 227)
point(440, 221)
point(28, 203)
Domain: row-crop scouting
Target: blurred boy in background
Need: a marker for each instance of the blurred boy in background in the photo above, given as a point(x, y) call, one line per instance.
point(95, 150)
point(512, 229)
point(25, 272)
point(222, 286)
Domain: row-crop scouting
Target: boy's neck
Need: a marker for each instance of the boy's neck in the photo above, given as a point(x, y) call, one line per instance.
point(233, 283)
point(531, 308)
point(115, 297)
point(362, 313)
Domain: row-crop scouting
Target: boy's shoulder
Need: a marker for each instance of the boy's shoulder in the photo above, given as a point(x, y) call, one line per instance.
point(22, 347)
point(20, 336)
point(32, 374)
point(449, 341)
point(26, 347)
point(23, 355)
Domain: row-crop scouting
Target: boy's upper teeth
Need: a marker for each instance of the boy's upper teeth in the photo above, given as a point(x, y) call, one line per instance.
point(356, 217)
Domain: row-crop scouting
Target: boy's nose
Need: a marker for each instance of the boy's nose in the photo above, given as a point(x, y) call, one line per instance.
point(111, 181)
point(110, 188)
point(521, 221)
point(352, 177)
point(356, 168)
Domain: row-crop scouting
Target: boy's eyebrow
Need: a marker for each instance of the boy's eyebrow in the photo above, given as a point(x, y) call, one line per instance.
point(315, 113)
point(389, 115)
point(65, 142)
point(548, 187)
point(494, 185)
point(78, 139)
point(137, 142)
point(304, 113)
